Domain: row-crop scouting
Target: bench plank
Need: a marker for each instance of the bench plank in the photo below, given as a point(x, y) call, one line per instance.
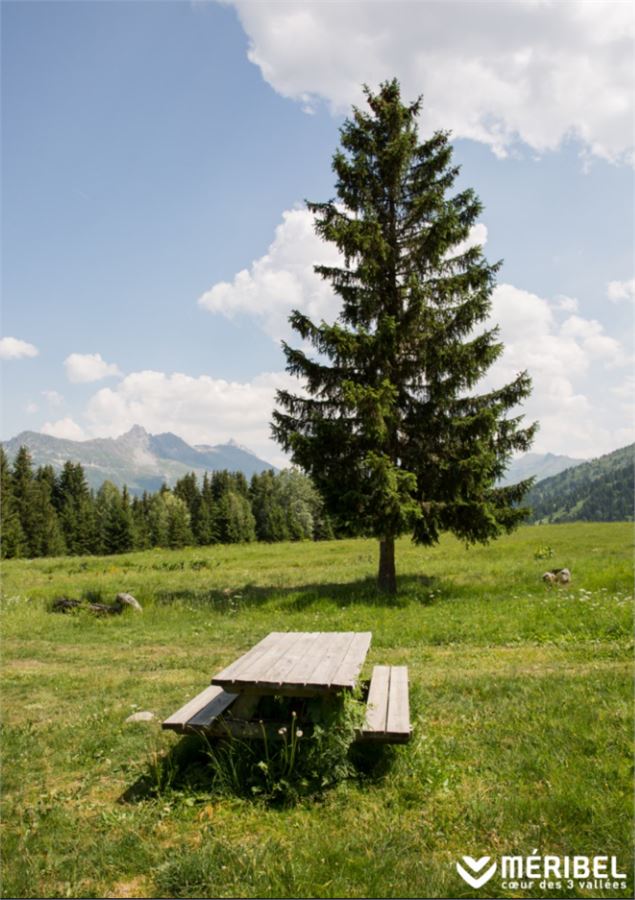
point(200, 710)
point(398, 718)
point(377, 703)
point(387, 706)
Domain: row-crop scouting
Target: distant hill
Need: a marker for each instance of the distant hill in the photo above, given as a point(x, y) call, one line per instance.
point(601, 490)
point(137, 459)
point(538, 465)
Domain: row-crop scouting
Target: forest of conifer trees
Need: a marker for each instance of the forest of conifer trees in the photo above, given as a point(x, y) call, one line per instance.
point(49, 514)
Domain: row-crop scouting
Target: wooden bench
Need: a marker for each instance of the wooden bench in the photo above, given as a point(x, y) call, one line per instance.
point(388, 708)
point(201, 711)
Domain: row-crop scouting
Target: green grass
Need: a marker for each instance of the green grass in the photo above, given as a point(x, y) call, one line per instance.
point(521, 698)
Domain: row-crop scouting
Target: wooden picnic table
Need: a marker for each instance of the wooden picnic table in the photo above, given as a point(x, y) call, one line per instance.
point(301, 665)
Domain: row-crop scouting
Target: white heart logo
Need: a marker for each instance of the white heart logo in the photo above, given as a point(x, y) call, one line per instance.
point(475, 866)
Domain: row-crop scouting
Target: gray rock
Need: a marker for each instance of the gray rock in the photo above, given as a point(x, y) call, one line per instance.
point(128, 600)
point(557, 576)
point(144, 716)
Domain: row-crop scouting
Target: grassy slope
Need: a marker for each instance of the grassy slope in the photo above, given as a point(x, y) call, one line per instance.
point(521, 699)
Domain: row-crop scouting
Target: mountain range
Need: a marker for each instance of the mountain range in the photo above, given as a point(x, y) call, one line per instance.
point(140, 460)
point(597, 491)
point(566, 488)
point(538, 466)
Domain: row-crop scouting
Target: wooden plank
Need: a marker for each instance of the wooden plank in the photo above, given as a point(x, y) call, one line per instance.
point(377, 703)
point(353, 660)
point(210, 713)
point(398, 718)
point(337, 647)
point(321, 646)
point(258, 672)
point(292, 651)
point(196, 705)
point(229, 672)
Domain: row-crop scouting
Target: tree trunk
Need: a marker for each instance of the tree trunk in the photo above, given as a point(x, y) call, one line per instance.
point(387, 578)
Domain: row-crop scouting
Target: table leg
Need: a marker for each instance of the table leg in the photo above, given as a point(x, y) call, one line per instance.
point(245, 706)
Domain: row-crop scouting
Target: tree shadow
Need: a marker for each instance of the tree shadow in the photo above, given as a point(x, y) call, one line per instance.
point(422, 589)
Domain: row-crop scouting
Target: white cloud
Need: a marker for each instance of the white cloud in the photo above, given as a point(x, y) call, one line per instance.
point(590, 335)
point(566, 304)
point(561, 358)
point(84, 367)
point(281, 280)
point(64, 428)
point(14, 348)
point(53, 398)
point(621, 290)
point(494, 72)
point(31, 408)
point(200, 410)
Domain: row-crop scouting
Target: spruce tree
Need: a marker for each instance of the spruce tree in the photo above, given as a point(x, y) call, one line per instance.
point(178, 522)
point(77, 510)
point(25, 500)
point(141, 535)
point(47, 538)
point(205, 525)
point(390, 424)
point(12, 541)
point(268, 514)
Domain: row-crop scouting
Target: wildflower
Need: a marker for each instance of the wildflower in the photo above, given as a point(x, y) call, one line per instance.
point(299, 733)
point(282, 730)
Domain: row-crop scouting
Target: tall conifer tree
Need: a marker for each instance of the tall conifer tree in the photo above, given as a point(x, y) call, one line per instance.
point(391, 426)
point(12, 541)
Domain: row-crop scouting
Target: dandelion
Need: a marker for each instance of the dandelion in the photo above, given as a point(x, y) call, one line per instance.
point(282, 730)
point(299, 733)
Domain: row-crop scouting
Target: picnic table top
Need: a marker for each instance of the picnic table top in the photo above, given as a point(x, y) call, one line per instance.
point(299, 661)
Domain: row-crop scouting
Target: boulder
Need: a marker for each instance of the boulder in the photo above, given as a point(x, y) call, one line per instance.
point(144, 716)
point(557, 576)
point(124, 599)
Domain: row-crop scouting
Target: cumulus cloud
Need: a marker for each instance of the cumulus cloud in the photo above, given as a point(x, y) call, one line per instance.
point(621, 290)
point(53, 398)
point(85, 367)
point(64, 428)
point(566, 304)
point(281, 280)
point(560, 357)
point(200, 410)
point(14, 348)
point(538, 72)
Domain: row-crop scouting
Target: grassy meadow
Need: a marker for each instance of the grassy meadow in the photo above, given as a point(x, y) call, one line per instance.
point(521, 700)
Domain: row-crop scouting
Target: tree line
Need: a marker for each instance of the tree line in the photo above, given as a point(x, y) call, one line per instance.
point(49, 514)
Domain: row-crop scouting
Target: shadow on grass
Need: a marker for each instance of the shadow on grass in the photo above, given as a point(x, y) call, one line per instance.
point(184, 767)
point(224, 767)
point(421, 589)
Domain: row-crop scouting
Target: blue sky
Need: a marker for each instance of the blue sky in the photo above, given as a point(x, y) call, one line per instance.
point(155, 161)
